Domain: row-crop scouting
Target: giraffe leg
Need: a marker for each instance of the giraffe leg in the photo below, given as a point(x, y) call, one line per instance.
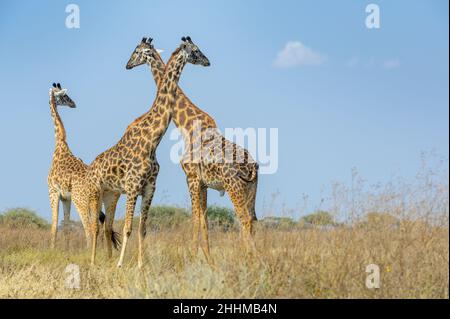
point(82, 206)
point(54, 203)
point(204, 224)
point(84, 216)
point(251, 199)
point(239, 198)
point(145, 206)
point(66, 209)
point(131, 204)
point(195, 232)
point(198, 199)
point(94, 210)
point(196, 207)
point(110, 202)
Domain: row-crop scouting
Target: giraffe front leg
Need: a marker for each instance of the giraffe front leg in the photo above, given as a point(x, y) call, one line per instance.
point(195, 232)
point(145, 207)
point(195, 203)
point(204, 224)
point(131, 204)
point(54, 204)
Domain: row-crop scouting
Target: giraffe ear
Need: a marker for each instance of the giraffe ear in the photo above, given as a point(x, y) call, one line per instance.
point(54, 85)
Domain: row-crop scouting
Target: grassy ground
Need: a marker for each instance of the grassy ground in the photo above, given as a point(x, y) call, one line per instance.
point(413, 258)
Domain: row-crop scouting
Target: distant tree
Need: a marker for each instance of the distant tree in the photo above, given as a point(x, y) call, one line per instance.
point(22, 217)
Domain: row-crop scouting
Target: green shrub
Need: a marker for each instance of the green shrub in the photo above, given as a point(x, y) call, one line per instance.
point(222, 217)
point(22, 217)
point(280, 223)
point(167, 217)
point(163, 217)
point(318, 218)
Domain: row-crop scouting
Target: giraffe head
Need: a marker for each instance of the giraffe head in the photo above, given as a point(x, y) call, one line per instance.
point(194, 55)
point(60, 96)
point(144, 52)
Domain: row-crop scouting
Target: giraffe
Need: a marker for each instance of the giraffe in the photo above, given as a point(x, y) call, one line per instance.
point(238, 177)
point(130, 167)
point(67, 172)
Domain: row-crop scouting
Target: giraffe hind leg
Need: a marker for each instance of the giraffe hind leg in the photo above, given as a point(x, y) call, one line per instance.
point(145, 207)
point(82, 206)
point(239, 197)
point(251, 199)
point(130, 206)
point(94, 210)
point(198, 194)
point(112, 239)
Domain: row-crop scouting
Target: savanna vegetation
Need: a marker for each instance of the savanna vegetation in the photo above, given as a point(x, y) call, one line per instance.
point(401, 227)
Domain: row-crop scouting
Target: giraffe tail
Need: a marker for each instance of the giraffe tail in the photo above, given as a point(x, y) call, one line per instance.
point(115, 236)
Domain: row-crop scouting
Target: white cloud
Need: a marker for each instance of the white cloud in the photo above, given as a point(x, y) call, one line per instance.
point(391, 64)
point(296, 54)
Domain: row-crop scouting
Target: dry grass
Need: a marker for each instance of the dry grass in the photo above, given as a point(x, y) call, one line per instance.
point(309, 263)
point(403, 227)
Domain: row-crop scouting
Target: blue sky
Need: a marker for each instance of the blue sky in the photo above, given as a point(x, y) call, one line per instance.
point(341, 96)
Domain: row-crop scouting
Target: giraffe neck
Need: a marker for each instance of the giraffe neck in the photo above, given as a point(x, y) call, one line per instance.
point(60, 132)
point(183, 106)
point(169, 85)
point(157, 67)
point(152, 125)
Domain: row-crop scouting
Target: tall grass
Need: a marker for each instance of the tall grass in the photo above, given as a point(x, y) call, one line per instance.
point(402, 227)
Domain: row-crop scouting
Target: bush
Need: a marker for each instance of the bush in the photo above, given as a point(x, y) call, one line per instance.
point(22, 217)
point(280, 223)
point(167, 216)
point(222, 217)
point(319, 218)
point(163, 217)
